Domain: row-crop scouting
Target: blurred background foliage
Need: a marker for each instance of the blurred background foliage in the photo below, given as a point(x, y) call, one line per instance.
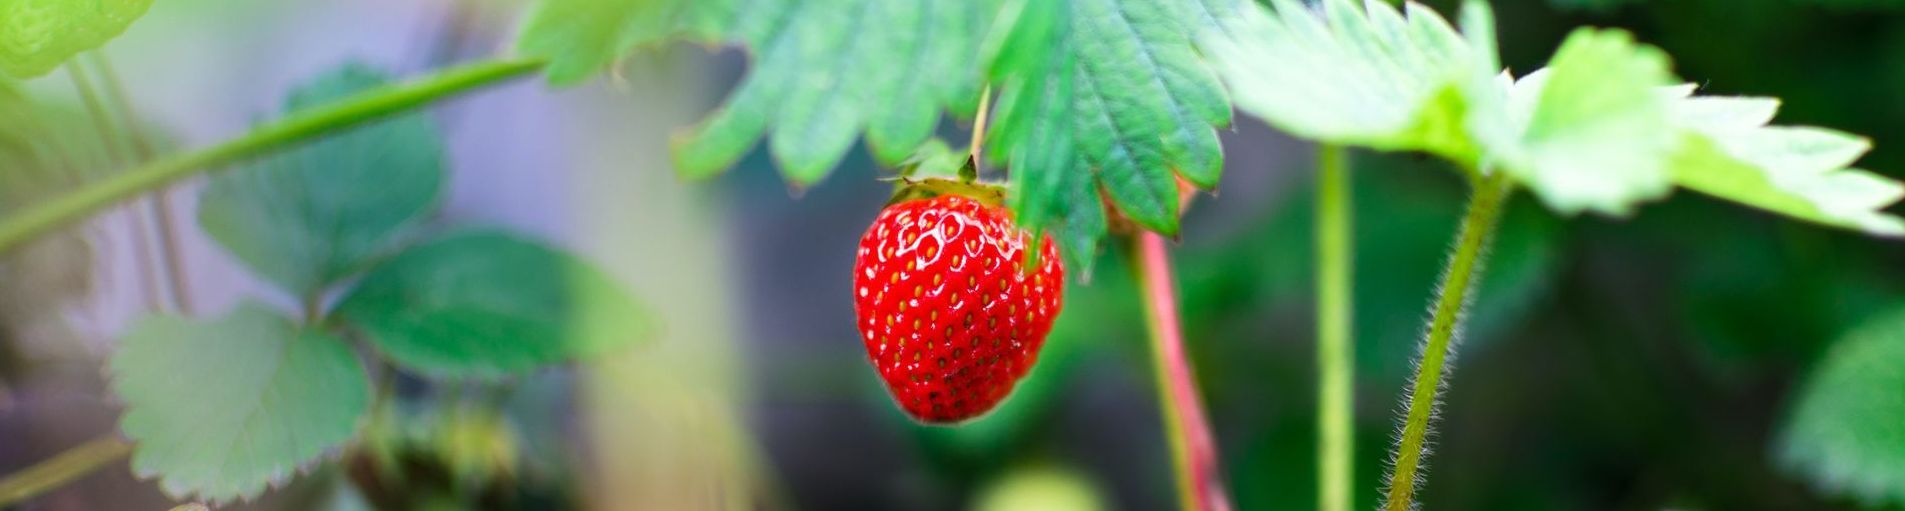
point(1650, 362)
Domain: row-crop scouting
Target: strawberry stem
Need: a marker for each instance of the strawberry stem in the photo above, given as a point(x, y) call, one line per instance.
point(304, 125)
point(1335, 400)
point(1193, 450)
point(1464, 268)
point(61, 469)
point(978, 142)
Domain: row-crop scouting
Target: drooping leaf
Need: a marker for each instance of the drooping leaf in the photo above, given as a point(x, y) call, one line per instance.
point(1588, 133)
point(1145, 105)
point(220, 409)
point(1104, 95)
point(1729, 151)
point(309, 216)
point(37, 35)
point(826, 71)
point(580, 38)
point(1371, 76)
point(1846, 431)
point(484, 304)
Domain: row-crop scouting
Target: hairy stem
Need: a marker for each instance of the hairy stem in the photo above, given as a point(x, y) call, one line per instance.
point(161, 206)
point(298, 127)
point(61, 469)
point(1335, 400)
point(1193, 451)
point(1478, 226)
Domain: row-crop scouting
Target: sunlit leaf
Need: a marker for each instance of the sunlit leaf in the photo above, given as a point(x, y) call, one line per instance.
point(484, 304)
point(307, 217)
point(1729, 151)
point(1588, 133)
point(581, 38)
point(1371, 76)
point(1846, 431)
point(37, 35)
point(220, 409)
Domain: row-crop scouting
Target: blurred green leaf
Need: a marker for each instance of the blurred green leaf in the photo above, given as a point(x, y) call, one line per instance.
point(219, 409)
point(1593, 5)
point(581, 38)
point(45, 148)
point(827, 70)
point(485, 304)
point(1730, 152)
point(37, 35)
point(1342, 74)
point(1040, 488)
point(1846, 431)
point(312, 215)
point(1589, 132)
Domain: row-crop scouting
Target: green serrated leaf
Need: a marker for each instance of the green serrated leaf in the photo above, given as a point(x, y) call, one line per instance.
point(1729, 151)
point(304, 218)
point(1369, 76)
point(1846, 431)
point(1145, 106)
point(1590, 132)
point(486, 304)
point(1104, 95)
point(37, 35)
point(828, 70)
point(220, 409)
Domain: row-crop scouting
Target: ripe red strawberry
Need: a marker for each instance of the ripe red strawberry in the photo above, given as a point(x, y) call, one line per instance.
point(949, 314)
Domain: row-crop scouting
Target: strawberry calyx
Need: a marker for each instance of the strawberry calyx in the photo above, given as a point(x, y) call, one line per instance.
point(966, 185)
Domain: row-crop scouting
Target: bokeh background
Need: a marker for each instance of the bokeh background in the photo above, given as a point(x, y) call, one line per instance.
point(1637, 363)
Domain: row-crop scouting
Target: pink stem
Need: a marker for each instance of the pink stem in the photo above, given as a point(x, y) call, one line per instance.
point(1193, 449)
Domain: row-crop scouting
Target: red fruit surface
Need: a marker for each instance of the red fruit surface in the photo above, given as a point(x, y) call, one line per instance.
point(948, 312)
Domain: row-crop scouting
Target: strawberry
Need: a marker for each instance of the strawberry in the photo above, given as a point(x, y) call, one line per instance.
point(948, 312)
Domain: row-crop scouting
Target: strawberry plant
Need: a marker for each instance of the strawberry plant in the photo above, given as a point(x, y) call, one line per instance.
point(1095, 122)
point(453, 304)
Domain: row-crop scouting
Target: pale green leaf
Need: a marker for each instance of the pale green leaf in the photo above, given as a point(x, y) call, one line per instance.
point(37, 35)
point(1729, 151)
point(484, 304)
point(305, 218)
point(827, 71)
point(1369, 76)
point(581, 38)
point(1591, 132)
point(1846, 431)
point(220, 409)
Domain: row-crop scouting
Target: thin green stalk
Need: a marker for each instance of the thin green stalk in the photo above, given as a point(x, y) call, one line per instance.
point(61, 469)
point(1478, 226)
point(1335, 399)
point(160, 208)
point(1193, 450)
point(297, 127)
point(142, 252)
